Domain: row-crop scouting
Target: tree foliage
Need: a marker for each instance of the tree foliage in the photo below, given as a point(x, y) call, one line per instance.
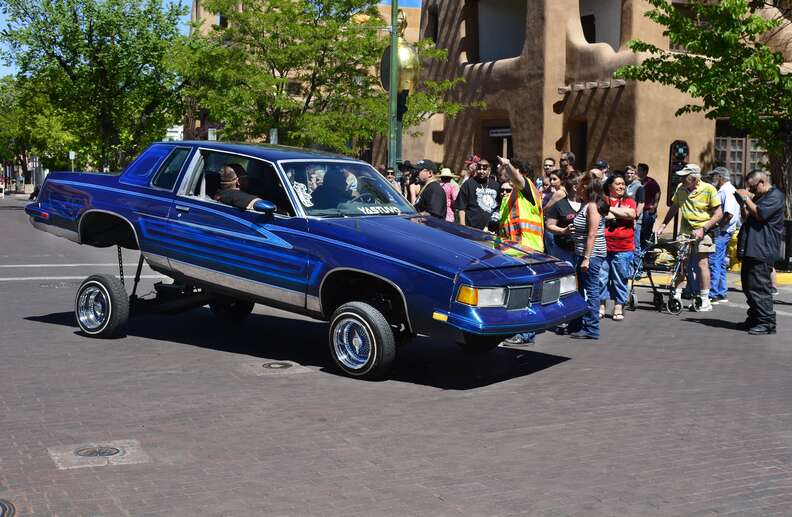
point(307, 68)
point(31, 126)
point(103, 64)
point(727, 67)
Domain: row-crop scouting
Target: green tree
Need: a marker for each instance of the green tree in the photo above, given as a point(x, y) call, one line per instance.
point(307, 68)
point(103, 64)
point(31, 126)
point(728, 68)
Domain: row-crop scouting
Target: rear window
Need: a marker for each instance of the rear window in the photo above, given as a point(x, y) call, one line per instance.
point(169, 172)
point(140, 171)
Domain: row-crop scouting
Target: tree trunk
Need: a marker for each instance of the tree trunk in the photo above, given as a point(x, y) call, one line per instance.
point(781, 165)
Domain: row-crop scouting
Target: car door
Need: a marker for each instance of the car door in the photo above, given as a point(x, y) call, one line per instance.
point(242, 251)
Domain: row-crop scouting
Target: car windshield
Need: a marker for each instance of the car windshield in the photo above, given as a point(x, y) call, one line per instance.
point(344, 189)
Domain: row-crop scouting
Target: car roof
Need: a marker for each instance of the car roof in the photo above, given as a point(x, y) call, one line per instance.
point(265, 151)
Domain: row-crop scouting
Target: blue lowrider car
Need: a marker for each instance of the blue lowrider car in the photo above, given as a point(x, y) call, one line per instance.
point(329, 238)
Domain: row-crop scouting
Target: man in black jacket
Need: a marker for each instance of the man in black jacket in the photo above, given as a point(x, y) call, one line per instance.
point(759, 245)
point(432, 198)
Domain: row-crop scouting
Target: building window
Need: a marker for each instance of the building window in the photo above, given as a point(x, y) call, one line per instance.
point(494, 29)
point(601, 21)
point(736, 150)
point(221, 21)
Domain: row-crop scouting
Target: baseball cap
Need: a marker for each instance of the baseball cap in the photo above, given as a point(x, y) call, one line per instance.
point(721, 171)
point(601, 164)
point(690, 168)
point(426, 164)
point(473, 158)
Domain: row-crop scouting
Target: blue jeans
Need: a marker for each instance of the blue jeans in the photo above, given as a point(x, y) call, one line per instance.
point(589, 287)
point(647, 227)
point(717, 265)
point(562, 254)
point(614, 275)
point(637, 262)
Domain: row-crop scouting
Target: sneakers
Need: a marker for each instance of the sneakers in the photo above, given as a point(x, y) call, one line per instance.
point(719, 299)
point(706, 305)
point(774, 291)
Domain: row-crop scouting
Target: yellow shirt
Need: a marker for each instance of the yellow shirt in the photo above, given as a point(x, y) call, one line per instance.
point(696, 207)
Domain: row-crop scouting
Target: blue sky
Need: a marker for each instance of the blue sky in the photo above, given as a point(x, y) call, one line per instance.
point(5, 70)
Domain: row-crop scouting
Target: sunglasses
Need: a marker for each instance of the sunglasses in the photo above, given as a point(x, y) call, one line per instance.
point(548, 165)
point(506, 190)
point(483, 167)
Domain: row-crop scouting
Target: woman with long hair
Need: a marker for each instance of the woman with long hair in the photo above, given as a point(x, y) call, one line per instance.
point(558, 219)
point(590, 252)
point(620, 241)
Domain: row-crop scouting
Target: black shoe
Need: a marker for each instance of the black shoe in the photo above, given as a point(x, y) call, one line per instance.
point(580, 335)
point(746, 325)
point(761, 330)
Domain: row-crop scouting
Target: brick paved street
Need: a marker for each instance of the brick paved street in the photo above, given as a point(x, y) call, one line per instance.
point(666, 415)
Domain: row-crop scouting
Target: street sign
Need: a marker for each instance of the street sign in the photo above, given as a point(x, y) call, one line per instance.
point(385, 69)
point(500, 132)
point(72, 155)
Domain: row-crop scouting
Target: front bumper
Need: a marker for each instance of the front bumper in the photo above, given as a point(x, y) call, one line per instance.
point(501, 321)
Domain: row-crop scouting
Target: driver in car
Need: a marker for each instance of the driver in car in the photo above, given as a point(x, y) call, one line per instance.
point(229, 192)
point(333, 191)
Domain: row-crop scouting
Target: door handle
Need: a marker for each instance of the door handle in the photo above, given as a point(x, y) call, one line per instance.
point(182, 208)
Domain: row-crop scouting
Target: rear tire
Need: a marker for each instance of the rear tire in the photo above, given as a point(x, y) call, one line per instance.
point(361, 341)
point(231, 309)
point(101, 306)
point(478, 344)
point(632, 302)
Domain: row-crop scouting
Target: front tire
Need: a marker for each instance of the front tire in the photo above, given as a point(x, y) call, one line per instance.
point(101, 306)
point(361, 341)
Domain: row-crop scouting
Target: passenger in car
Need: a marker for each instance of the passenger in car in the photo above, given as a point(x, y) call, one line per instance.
point(230, 194)
point(333, 191)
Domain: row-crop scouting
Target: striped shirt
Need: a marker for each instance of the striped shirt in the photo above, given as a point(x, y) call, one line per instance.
point(580, 234)
point(696, 207)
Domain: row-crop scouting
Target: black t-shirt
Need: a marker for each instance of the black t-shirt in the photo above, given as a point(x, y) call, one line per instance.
point(235, 197)
point(479, 200)
point(433, 200)
point(564, 214)
point(761, 240)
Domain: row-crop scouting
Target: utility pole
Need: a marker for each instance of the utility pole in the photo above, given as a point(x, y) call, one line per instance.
point(394, 149)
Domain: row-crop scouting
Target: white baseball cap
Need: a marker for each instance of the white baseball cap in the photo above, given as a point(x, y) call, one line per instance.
point(690, 168)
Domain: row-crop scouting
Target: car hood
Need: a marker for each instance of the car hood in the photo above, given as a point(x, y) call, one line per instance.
point(425, 241)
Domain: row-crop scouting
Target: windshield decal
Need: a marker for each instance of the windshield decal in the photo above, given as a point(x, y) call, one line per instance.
point(379, 210)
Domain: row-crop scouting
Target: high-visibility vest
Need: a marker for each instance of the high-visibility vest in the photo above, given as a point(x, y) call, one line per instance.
point(522, 222)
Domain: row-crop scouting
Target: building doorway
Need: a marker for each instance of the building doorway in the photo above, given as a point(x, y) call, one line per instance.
point(495, 139)
point(578, 143)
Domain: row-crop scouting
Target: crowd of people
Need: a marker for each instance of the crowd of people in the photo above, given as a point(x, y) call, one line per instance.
point(601, 220)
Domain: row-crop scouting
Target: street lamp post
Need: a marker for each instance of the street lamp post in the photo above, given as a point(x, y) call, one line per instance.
point(394, 148)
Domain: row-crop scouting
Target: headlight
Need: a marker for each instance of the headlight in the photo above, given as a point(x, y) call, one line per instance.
point(482, 297)
point(568, 284)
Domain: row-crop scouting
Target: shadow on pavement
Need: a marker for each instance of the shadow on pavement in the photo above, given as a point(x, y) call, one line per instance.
point(304, 341)
point(716, 323)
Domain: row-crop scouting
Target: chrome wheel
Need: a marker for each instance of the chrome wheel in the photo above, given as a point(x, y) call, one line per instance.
point(352, 342)
point(93, 308)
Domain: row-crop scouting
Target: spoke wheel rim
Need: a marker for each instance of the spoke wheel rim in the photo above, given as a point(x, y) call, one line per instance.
point(352, 343)
point(93, 308)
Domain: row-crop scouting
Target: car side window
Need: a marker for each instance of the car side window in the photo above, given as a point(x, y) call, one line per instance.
point(256, 177)
point(170, 169)
point(140, 171)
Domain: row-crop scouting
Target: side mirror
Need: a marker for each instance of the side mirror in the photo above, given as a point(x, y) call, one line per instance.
point(265, 207)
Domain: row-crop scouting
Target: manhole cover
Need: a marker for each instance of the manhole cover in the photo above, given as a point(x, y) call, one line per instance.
point(97, 452)
point(276, 365)
point(6, 509)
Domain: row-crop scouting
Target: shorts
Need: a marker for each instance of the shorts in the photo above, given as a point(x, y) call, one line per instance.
point(705, 245)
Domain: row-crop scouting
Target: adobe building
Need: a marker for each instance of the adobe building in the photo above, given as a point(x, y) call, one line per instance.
point(545, 69)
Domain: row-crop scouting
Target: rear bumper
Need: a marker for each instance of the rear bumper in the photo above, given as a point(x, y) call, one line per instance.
point(500, 321)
